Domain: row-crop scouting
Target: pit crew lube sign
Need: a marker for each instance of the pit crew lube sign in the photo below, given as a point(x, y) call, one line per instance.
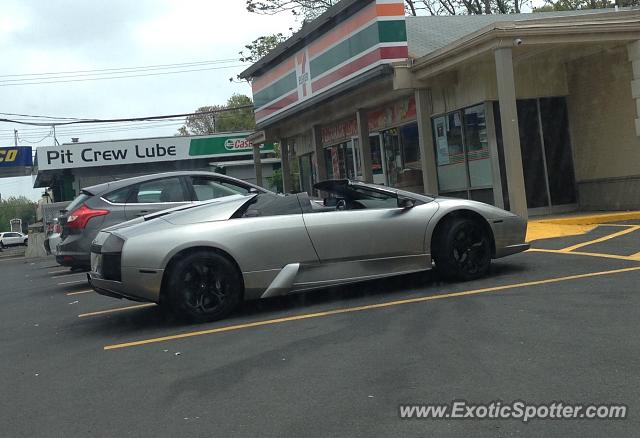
point(110, 153)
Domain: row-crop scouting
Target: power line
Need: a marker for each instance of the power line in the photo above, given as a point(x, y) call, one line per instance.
point(148, 67)
point(39, 130)
point(4, 84)
point(39, 141)
point(81, 132)
point(131, 119)
point(40, 117)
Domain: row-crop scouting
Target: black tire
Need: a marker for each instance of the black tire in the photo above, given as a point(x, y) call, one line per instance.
point(462, 249)
point(203, 286)
point(2, 245)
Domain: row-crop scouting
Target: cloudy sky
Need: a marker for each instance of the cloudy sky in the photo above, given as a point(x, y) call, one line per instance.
point(43, 36)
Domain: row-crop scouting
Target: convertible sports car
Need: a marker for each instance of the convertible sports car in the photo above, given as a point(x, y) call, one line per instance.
point(202, 260)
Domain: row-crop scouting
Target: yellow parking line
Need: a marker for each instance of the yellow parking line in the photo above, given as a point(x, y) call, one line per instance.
point(631, 229)
point(631, 258)
point(88, 291)
point(361, 308)
point(118, 309)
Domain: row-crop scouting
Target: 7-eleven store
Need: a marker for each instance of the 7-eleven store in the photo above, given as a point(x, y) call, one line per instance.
point(537, 113)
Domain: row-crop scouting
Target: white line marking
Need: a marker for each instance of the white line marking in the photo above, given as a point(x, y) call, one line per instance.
point(72, 282)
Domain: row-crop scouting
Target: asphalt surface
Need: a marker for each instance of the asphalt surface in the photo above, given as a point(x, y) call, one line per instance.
point(543, 327)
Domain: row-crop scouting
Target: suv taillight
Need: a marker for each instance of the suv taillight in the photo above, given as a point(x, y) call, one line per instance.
point(79, 218)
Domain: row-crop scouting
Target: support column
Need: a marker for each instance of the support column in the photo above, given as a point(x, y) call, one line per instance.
point(321, 170)
point(257, 163)
point(365, 146)
point(633, 50)
point(286, 172)
point(424, 110)
point(510, 131)
point(498, 197)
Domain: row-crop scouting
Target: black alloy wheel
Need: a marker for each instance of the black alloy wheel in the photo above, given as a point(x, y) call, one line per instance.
point(204, 286)
point(463, 250)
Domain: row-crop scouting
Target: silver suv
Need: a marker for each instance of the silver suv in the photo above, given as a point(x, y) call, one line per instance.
point(107, 204)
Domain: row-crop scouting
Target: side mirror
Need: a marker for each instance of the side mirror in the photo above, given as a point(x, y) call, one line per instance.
point(406, 202)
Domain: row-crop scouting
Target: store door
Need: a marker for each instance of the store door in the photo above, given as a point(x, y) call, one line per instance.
point(546, 155)
point(377, 159)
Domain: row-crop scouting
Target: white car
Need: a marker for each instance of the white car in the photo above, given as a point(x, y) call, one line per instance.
point(11, 238)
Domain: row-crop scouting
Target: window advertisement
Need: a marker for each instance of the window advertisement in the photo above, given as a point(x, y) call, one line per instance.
point(452, 172)
point(475, 132)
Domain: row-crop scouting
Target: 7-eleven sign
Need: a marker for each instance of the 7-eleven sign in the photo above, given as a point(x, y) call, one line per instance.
point(303, 75)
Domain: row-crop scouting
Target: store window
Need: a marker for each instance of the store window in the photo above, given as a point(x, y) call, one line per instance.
point(340, 161)
point(462, 154)
point(402, 157)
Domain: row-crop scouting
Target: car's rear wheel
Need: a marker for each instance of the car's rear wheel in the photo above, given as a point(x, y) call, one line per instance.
point(203, 286)
point(462, 249)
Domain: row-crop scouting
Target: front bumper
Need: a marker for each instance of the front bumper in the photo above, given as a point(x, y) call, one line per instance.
point(509, 235)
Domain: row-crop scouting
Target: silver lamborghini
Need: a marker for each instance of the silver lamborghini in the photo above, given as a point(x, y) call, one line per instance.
point(201, 261)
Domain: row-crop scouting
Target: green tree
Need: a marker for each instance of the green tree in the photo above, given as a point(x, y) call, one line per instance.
point(17, 207)
point(572, 5)
point(260, 47)
point(306, 10)
point(221, 118)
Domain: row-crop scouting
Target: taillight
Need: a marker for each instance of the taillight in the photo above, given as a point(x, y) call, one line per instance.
point(79, 218)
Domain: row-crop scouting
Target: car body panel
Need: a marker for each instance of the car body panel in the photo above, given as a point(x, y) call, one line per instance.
point(304, 249)
point(75, 248)
point(13, 238)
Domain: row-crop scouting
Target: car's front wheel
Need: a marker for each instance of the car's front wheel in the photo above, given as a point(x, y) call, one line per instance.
point(203, 286)
point(463, 249)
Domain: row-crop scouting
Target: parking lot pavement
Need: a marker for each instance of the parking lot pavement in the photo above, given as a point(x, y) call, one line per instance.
point(558, 322)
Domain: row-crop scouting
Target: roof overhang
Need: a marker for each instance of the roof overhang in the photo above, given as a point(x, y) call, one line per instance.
point(592, 28)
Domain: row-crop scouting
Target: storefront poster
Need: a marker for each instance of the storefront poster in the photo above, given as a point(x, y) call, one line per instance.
point(340, 131)
point(394, 114)
point(441, 142)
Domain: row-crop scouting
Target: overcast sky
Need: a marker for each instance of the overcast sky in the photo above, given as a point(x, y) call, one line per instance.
point(41, 36)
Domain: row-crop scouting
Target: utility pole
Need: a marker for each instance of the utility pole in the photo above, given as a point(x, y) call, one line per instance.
point(55, 140)
point(15, 137)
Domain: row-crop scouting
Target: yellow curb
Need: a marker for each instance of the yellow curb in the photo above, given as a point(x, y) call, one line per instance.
point(541, 230)
point(591, 219)
point(548, 228)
